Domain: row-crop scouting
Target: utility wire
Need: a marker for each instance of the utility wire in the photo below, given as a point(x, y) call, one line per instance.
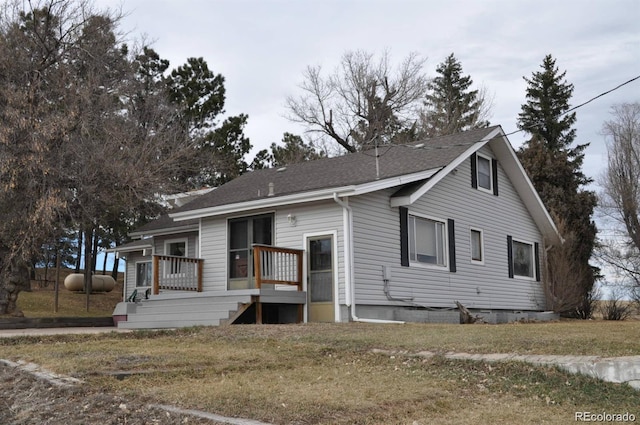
point(506, 134)
point(582, 104)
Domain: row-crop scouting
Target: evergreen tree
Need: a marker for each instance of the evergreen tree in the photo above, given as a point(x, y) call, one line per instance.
point(200, 96)
point(554, 166)
point(294, 150)
point(451, 105)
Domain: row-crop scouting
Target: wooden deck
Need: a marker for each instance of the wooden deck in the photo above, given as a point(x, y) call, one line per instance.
point(178, 298)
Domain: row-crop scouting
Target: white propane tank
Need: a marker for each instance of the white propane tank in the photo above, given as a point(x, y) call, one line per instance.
point(99, 283)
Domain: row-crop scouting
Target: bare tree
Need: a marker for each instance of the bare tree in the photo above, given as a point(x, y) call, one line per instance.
point(620, 197)
point(363, 102)
point(72, 146)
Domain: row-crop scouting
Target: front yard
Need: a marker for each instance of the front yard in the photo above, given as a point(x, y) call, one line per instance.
point(328, 373)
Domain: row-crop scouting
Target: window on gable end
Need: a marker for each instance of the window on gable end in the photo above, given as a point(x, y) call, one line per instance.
point(484, 173)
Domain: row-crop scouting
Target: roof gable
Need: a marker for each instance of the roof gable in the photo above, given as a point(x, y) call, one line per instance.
point(508, 159)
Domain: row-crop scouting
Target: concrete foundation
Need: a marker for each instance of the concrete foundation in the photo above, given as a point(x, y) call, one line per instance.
point(417, 315)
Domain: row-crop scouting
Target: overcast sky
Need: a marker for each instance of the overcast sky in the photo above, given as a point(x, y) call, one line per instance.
point(261, 47)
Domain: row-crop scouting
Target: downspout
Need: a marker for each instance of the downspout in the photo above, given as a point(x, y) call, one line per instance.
point(349, 277)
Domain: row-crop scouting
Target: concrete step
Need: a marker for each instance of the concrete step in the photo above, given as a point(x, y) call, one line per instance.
point(184, 311)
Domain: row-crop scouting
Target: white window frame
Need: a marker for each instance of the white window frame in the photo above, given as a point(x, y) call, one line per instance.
point(489, 159)
point(168, 242)
point(482, 251)
point(150, 265)
point(445, 241)
point(532, 257)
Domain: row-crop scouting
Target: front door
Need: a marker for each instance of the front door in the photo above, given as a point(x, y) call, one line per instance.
point(320, 279)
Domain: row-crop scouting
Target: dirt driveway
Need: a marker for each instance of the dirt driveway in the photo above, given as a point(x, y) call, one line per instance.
point(26, 400)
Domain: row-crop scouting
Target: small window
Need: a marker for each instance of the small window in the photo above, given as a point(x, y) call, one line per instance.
point(143, 274)
point(484, 173)
point(178, 249)
point(523, 259)
point(477, 248)
point(175, 248)
point(427, 241)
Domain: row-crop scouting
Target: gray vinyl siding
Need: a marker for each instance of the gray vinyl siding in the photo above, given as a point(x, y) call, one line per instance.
point(313, 218)
point(130, 278)
point(487, 286)
point(213, 242)
point(191, 238)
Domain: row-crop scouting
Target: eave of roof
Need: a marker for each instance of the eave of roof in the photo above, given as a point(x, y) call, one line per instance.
point(523, 185)
point(133, 246)
point(302, 197)
point(165, 225)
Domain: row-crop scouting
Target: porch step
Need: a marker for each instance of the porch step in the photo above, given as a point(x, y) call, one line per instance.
point(180, 312)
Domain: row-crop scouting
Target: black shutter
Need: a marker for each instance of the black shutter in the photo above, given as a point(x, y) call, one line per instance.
point(494, 171)
point(404, 236)
point(536, 257)
point(474, 171)
point(510, 254)
point(452, 245)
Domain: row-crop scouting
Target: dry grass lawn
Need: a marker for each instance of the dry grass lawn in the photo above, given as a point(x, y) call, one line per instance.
point(327, 374)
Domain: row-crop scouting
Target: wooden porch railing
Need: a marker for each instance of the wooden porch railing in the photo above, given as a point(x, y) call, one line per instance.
point(280, 266)
point(277, 265)
point(176, 273)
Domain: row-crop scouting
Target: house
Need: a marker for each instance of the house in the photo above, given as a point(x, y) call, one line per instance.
point(397, 234)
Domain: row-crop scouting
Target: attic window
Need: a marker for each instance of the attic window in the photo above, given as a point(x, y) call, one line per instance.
point(484, 173)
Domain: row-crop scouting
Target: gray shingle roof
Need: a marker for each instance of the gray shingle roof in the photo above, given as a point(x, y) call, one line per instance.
point(164, 222)
point(352, 169)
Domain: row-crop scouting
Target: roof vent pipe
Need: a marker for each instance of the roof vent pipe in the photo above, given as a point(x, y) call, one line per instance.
point(271, 191)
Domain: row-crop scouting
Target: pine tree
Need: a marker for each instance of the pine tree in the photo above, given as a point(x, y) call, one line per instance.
point(554, 166)
point(293, 151)
point(451, 105)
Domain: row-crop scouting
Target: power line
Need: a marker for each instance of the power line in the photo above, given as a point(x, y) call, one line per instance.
point(582, 104)
point(413, 145)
